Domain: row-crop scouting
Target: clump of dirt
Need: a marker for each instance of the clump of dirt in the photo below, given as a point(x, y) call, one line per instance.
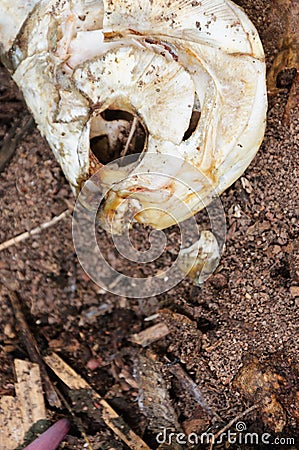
point(246, 311)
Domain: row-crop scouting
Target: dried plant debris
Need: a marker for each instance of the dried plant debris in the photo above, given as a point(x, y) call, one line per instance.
point(32, 348)
point(11, 426)
point(154, 399)
point(274, 386)
point(188, 386)
point(81, 389)
point(185, 79)
point(18, 414)
point(251, 303)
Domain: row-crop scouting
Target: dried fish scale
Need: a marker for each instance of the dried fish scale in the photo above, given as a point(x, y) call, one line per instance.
point(159, 61)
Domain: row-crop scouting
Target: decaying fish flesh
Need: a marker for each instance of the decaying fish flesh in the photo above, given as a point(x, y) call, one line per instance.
point(186, 78)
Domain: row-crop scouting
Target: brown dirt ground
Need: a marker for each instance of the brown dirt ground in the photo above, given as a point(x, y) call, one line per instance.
point(242, 324)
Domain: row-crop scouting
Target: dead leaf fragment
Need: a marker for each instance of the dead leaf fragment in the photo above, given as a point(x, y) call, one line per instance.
point(261, 385)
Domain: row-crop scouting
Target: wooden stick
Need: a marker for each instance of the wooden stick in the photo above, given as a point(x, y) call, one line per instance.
point(150, 335)
point(32, 350)
point(22, 237)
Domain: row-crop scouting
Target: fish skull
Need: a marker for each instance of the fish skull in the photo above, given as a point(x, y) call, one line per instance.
point(189, 75)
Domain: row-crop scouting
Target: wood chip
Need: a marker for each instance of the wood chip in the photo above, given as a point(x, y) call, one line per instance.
point(18, 414)
point(65, 373)
point(29, 392)
point(71, 379)
point(11, 425)
point(150, 335)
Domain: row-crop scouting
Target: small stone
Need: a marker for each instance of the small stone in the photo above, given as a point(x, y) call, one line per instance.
point(20, 275)
point(94, 363)
point(294, 290)
point(219, 281)
point(276, 249)
point(246, 185)
point(9, 332)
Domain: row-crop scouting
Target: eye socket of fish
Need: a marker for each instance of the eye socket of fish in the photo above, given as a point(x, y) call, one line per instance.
point(105, 79)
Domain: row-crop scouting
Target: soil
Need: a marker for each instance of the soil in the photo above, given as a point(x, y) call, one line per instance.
point(236, 337)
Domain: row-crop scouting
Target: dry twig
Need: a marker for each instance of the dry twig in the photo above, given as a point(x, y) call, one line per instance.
point(231, 423)
point(22, 237)
point(76, 420)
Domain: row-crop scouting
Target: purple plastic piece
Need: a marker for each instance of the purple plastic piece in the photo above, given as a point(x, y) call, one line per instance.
point(51, 438)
